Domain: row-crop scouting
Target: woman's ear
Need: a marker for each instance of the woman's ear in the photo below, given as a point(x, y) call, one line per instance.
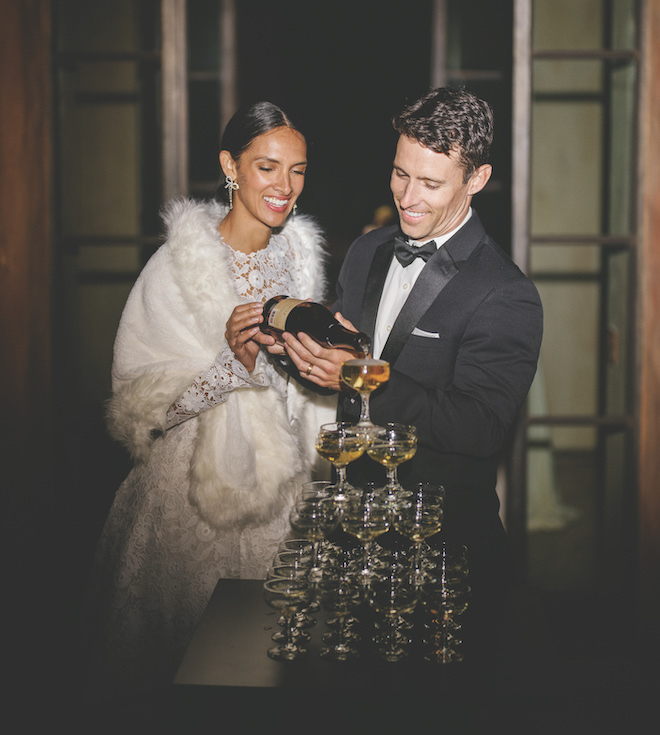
point(228, 164)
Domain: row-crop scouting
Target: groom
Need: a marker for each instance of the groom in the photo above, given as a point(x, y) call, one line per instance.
point(457, 320)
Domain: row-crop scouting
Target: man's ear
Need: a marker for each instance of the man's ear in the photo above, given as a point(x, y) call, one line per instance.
point(228, 164)
point(479, 179)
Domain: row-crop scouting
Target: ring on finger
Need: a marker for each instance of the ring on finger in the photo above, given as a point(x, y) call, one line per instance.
point(310, 367)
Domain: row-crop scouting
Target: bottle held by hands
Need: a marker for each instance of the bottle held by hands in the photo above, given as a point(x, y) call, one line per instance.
point(284, 314)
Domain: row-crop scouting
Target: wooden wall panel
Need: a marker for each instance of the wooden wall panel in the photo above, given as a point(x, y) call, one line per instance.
point(25, 241)
point(649, 334)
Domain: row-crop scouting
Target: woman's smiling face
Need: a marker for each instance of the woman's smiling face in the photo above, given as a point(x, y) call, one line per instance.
point(270, 174)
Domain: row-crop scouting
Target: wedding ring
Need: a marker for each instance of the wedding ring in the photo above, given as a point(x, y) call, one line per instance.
point(309, 369)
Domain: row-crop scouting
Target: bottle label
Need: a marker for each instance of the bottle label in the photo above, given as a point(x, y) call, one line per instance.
point(279, 313)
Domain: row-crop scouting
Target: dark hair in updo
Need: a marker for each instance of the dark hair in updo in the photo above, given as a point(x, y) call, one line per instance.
point(246, 124)
point(446, 120)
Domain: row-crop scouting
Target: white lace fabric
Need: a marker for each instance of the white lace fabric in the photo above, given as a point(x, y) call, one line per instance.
point(212, 387)
point(259, 276)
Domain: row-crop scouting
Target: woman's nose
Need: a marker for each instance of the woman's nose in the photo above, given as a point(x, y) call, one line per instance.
point(284, 183)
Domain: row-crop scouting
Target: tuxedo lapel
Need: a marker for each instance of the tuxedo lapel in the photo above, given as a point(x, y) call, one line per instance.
point(373, 289)
point(435, 275)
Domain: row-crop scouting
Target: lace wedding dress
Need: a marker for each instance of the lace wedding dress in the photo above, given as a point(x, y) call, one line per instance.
point(158, 561)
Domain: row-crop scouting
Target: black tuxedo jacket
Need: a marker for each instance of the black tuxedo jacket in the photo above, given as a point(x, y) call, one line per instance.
point(463, 352)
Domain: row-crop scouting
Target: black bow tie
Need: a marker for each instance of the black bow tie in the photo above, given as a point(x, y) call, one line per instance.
point(406, 253)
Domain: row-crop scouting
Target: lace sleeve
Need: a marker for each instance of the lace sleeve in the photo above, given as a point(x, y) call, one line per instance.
point(211, 387)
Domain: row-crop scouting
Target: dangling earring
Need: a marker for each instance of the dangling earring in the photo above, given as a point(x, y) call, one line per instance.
point(294, 211)
point(231, 186)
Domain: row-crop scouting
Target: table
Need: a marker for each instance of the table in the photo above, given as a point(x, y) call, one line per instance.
point(226, 670)
point(227, 683)
point(229, 649)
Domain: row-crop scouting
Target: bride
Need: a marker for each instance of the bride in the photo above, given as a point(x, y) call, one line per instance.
point(220, 437)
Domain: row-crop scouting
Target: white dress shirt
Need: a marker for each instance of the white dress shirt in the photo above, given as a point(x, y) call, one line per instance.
point(397, 288)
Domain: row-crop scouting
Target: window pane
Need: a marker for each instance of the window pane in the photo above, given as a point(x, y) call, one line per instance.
point(115, 258)
point(561, 515)
point(569, 259)
point(566, 24)
point(108, 174)
point(566, 168)
point(582, 147)
point(482, 45)
point(105, 26)
point(566, 382)
point(587, 24)
point(204, 131)
point(100, 175)
point(576, 510)
point(203, 31)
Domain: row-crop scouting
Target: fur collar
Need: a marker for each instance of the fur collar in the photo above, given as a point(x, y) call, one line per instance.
point(202, 264)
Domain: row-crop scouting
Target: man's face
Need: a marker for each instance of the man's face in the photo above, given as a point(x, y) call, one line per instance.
point(429, 191)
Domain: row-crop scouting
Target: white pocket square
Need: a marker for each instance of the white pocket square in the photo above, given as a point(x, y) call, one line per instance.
point(421, 333)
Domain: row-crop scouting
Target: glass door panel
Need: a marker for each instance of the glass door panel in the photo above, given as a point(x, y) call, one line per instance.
point(108, 177)
point(582, 118)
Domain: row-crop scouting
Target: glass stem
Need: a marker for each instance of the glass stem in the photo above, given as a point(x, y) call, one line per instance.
point(366, 560)
point(391, 636)
point(288, 630)
point(418, 555)
point(316, 554)
point(364, 409)
point(341, 630)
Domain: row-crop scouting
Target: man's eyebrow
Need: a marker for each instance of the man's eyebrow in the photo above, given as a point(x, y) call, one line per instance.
point(421, 178)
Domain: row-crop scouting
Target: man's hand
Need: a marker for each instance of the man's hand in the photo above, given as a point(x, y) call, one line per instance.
point(320, 365)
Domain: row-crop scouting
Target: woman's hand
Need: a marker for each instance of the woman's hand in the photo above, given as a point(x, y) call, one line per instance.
point(244, 336)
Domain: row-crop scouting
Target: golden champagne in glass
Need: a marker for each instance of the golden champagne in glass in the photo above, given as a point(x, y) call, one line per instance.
point(341, 443)
point(364, 375)
point(390, 446)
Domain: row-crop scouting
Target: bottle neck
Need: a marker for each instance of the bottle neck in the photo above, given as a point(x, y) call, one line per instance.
point(358, 341)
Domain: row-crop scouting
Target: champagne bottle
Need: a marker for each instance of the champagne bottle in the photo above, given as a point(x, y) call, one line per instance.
point(284, 314)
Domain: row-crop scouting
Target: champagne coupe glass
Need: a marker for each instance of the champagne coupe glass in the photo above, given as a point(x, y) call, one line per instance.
point(294, 552)
point(340, 594)
point(298, 552)
point(314, 519)
point(301, 545)
point(344, 561)
point(364, 375)
point(391, 445)
point(299, 559)
point(418, 518)
point(449, 565)
point(318, 489)
point(287, 596)
point(301, 619)
point(443, 599)
point(448, 560)
point(366, 516)
point(391, 594)
point(341, 443)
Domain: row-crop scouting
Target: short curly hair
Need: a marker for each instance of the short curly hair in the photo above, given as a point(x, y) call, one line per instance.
point(448, 119)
